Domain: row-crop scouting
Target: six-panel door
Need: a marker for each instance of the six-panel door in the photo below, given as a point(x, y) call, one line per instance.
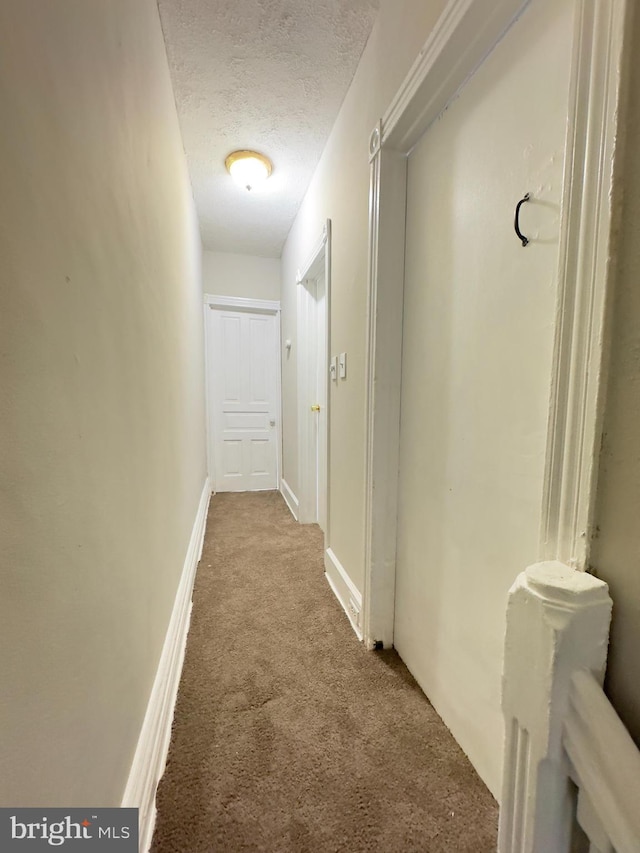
point(243, 400)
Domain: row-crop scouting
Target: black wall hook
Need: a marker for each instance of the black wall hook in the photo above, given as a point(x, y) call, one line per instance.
point(516, 224)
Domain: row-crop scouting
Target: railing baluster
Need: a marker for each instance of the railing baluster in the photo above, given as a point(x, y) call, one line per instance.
point(557, 624)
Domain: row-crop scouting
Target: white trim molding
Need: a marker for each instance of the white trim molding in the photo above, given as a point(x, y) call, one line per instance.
point(319, 262)
point(271, 306)
point(384, 368)
point(153, 743)
point(581, 347)
point(344, 590)
point(289, 498)
point(465, 34)
point(314, 265)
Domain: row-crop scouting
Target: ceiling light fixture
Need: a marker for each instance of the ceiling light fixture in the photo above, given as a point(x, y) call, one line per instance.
point(248, 168)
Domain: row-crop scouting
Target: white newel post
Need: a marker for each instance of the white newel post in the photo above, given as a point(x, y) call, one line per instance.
point(557, 623)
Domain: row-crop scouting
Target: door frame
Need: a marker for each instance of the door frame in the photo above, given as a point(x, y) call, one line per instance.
point(464, 35)
point(319, 262)
point(254, 306)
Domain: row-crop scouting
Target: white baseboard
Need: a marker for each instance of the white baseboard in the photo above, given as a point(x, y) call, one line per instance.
point(290, 499)
point(153, 744)
point(344, 589)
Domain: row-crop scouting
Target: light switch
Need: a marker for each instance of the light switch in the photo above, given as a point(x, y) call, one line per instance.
point(333, 368)
point(342, 365)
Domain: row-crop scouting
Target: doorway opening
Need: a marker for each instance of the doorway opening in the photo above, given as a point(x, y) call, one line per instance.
point(314, 286)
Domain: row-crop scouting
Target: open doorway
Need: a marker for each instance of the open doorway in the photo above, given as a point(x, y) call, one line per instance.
point(313, 390)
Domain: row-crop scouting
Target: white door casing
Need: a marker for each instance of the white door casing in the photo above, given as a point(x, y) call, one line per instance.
point(320, 415)
point(313, 335)
point(243, 394)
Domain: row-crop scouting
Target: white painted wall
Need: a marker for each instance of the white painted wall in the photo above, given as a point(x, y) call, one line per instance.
point(102, 458)
point(478, 335)
point(616, 546)
point(339, 191)
point(248, 276)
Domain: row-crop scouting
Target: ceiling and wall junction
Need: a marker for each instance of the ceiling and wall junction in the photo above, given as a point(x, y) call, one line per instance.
point(263, 74)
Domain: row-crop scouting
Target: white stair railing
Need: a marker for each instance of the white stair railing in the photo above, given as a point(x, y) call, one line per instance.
point(605, 766)
point(557, 626)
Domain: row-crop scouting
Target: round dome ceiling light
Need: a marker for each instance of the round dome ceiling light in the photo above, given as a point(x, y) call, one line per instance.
point(248, 168)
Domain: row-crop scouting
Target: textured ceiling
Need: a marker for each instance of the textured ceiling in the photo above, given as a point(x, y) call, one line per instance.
point(263, 74)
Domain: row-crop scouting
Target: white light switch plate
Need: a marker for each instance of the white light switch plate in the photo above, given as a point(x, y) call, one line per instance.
point(342, 365)
point(333, 368)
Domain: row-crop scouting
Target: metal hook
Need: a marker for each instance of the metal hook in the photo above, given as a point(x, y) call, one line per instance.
point(516, 223)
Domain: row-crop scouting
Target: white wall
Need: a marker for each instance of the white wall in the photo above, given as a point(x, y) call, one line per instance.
point(477, 358)
point(616, 547)
point(339, 190)
point(102, 458)
point(226, 274)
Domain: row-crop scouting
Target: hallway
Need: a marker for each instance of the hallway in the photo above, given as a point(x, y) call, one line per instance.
point(470, 408)
point(288, 735)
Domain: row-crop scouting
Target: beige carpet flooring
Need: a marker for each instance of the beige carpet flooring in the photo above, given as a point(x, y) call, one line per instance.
point(288, 735)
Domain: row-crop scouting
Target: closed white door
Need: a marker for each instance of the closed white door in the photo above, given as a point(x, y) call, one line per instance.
point(478, 338)
point(243, 403)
